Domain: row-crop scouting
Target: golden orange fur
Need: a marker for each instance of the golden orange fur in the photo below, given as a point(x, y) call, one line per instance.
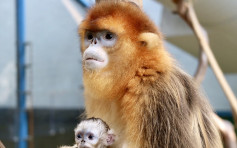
point(141, 93)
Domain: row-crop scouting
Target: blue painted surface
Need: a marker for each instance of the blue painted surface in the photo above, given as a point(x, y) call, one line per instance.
point(227, 114)
point(85, 3)
point(21, 81)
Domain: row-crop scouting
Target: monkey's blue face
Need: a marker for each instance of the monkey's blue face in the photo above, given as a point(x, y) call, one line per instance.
point(104, 37)
point(86, 139)
point(95, 55)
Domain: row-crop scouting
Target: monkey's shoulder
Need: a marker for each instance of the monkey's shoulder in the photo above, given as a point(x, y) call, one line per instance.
point(175, 86)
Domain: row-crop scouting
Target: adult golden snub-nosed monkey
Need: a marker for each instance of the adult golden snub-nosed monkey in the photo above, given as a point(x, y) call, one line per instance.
point(134, 85)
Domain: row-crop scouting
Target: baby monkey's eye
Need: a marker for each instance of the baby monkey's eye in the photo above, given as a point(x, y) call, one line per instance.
point(79, 136)
point(90, 136)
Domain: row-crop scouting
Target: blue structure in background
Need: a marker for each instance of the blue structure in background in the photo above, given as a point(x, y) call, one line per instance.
point(22, 119)
point(21, 78)
point(85, 3)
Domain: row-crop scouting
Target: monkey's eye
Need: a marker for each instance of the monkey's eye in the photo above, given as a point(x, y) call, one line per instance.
point(90, 137)
point(109, 36)
point(89, 36)
point(79, 136)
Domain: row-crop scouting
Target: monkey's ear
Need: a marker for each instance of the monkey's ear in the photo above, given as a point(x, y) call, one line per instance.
point(149, 40)
point(111, 138)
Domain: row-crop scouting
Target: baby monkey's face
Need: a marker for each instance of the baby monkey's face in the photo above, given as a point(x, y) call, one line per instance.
point(93, 133)
point(87, 139)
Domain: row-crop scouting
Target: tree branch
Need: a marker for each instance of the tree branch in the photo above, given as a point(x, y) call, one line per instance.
point(186, 11)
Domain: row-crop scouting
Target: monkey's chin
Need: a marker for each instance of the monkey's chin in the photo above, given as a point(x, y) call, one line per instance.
point(84, 146)
point(94, 64)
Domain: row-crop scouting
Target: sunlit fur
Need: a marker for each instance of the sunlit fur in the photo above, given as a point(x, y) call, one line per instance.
point(141, 93)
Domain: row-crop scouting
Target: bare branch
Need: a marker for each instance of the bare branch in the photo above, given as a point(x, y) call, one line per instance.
point(186, 11)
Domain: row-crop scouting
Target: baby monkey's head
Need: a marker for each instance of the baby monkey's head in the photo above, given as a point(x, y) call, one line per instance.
point(93, 133)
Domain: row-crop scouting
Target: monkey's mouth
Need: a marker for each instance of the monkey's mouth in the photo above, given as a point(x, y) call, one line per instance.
point(94, 59)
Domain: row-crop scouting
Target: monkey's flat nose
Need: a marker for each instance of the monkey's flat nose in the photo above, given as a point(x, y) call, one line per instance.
point(83, 141)
point(94, 41)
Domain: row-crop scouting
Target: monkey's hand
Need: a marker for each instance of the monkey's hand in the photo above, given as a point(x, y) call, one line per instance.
point(74, 146)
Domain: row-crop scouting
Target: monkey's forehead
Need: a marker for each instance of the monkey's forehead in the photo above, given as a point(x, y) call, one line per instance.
point(118, 16)
point(91, 126)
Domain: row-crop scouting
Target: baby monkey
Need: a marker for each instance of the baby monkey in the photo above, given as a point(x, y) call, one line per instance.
point(92, 133)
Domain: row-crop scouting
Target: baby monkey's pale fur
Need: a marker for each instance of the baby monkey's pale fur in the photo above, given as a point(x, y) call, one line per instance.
point(93, 133)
